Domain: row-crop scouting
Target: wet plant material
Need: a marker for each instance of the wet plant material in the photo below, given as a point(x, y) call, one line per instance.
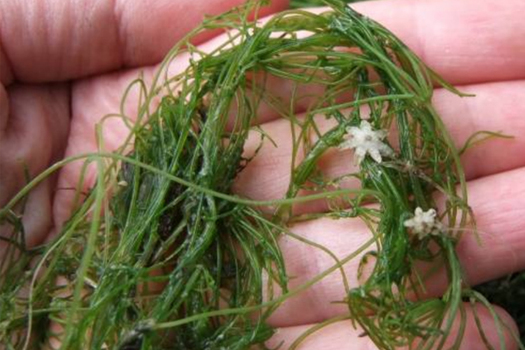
point(161, 254)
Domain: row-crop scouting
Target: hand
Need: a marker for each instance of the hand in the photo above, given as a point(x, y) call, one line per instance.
point(476, 45)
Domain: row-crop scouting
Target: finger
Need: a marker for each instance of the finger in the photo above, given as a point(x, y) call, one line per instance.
point(343, 336)
point(156, 21)
point(497, 202)
point(34, 123)
point(496, 107)
point(59, 40)
point(467, 41)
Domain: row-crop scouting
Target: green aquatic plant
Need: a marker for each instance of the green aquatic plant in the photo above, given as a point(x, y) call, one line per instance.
point(161, 253)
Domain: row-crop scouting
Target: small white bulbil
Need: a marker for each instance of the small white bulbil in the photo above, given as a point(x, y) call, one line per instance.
point(424, 223)
point(365, 140)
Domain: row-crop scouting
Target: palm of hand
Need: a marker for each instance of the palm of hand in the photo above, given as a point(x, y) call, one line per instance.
point(36, 129)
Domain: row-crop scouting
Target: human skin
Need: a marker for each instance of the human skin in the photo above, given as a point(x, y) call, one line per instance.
point(65, 64)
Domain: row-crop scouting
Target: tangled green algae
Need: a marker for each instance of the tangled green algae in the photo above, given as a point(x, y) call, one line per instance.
point(161, 254)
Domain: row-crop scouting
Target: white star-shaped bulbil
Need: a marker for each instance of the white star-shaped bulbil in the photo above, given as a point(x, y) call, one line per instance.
point(424, 223)
point(365, 140)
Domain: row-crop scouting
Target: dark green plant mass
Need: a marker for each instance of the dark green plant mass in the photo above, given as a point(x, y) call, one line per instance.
point(161, 254)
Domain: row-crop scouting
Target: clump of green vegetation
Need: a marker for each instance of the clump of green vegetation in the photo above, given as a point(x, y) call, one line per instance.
point(161, 254)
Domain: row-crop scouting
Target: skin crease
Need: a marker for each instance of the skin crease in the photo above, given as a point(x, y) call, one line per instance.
point(65, 64)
